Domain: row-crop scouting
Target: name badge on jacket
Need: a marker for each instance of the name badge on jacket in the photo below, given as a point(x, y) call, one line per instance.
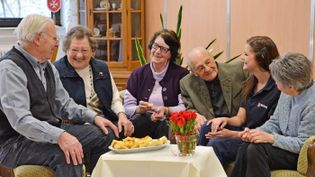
point(260, 105)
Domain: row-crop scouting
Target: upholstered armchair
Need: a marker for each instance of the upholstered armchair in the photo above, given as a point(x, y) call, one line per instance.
point(311, 160)
point(30, 171)
point(302, 165)
point(305, 165)
point(33, 171)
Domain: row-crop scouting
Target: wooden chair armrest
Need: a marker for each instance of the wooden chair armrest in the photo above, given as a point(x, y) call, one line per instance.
point(6, 172)
point(311, 160)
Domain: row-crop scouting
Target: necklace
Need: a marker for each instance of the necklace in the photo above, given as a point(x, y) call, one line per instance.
point(91, 82)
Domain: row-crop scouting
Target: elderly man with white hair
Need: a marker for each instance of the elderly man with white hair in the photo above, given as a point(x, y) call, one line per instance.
point(34, 104)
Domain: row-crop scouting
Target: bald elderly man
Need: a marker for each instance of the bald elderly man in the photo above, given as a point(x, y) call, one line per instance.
point(212, 89)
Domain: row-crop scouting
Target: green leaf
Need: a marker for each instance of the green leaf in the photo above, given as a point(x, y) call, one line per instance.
point(142, 60)
point(179, 60)
point(179, 20)
point(162, 21)
point(233, 58)
point(181, 130)
point(179, 35)
point(210, 43)
point(218, 54)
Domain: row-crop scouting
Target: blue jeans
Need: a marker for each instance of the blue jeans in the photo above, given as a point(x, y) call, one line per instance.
point(225, 148)
point(22, 151)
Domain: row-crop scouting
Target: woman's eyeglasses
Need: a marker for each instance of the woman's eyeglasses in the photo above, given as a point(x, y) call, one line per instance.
point(156, 46)
point(83, 51)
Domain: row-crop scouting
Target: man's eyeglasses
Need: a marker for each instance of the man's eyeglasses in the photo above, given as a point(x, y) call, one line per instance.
point(156, 46)
point(208, 64)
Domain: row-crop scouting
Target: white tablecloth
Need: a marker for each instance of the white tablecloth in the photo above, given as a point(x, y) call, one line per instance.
point(160, 163)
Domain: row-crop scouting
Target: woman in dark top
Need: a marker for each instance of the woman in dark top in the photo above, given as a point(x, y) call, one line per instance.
point(260, 100)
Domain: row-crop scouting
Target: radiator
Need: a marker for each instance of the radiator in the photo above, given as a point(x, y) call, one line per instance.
point(3, 51)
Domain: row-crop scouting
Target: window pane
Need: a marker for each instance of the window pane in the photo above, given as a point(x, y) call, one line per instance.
point(82, 12)
point(135, 4)
point(136, 24)
point(114, 25)
point(21, 8)
point(115, 4)
point(82, 5)
point(101, 51)
point(116, 50)
point(82, 18)
point(134, 50)
point(100, 22)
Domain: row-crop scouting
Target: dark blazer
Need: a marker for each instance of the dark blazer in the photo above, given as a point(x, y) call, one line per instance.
point(196, 96)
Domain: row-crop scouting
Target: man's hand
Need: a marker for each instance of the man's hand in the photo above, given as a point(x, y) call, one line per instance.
point(102, 123)
point(124, 122)
point(200, 120)
point(71, 147)
point(218, 124)
point(259, 136)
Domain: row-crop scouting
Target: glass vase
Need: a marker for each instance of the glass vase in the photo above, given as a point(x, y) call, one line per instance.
point(186, 144)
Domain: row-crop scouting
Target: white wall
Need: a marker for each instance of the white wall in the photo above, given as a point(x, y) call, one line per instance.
point(287, 22)
point(7, 38)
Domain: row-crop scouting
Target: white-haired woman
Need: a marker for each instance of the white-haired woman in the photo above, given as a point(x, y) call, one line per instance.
point(277, 143)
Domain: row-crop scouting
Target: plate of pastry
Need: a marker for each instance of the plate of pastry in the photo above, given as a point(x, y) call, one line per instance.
point(134, 145)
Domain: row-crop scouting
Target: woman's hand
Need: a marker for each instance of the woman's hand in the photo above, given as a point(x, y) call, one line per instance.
point(159, 113)
point(245, 135)
point(259, 136)
point(143, 107)
point(218, 124)
point(124, 122)
point(223, 133)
